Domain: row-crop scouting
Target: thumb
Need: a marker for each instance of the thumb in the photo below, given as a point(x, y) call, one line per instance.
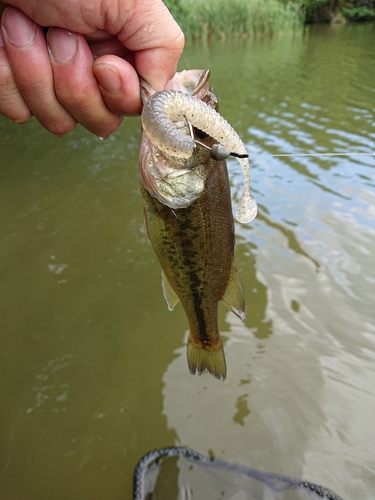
point(156, 41)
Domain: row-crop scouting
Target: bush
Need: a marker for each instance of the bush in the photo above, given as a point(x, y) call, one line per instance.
point(327, 10)
point(362, 13)
point(320, 11)
point(220, 18)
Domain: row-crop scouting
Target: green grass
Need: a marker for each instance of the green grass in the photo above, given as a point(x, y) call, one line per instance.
point(247, 18)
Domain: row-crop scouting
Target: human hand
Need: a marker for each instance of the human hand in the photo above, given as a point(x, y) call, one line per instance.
point(85, 70)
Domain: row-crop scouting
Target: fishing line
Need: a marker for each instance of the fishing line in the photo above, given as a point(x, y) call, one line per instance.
point(219, 152)
point(305, 154)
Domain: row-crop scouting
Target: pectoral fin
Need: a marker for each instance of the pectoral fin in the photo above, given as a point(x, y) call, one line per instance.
point(234, 297)
point(169, 294)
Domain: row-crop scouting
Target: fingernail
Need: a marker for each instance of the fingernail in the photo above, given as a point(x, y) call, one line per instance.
point(62, 45)
point(18, 28)
point(108, 77)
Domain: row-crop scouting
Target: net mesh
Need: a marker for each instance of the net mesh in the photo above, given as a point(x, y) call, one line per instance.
point(180, 473)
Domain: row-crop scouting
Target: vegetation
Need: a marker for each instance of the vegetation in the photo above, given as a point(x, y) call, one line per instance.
point(221, 18)
point(361, 13)
point(336, 10)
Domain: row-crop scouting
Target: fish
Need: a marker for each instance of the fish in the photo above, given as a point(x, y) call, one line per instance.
point(188, 210)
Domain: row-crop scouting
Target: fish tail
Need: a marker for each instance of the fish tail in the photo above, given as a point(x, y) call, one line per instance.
point(210, 357)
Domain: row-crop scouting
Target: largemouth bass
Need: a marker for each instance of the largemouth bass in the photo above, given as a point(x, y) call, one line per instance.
point(187, 208)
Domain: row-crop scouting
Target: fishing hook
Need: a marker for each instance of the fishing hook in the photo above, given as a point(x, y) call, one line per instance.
point(220, 152)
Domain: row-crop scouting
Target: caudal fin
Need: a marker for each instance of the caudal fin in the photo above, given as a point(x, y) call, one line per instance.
point(211, 358)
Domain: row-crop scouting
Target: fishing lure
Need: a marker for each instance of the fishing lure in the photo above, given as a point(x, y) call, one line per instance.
point(163, 109)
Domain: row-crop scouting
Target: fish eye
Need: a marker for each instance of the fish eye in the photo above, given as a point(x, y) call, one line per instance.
point(199, 133)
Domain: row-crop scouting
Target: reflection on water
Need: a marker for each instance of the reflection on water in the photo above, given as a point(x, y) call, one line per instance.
point(93, 367)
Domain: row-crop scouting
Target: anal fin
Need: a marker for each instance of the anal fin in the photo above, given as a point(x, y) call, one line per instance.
point(234, 297)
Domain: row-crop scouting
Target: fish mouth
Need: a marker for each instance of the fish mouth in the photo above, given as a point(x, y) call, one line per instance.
point(194, 82)
point(171, 119)
point(146, 90)
point(175, 179)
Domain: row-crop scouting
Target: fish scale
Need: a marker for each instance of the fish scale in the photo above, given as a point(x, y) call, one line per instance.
point(196, 259)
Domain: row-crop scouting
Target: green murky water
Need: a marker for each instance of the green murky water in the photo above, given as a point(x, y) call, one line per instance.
point(93, 368)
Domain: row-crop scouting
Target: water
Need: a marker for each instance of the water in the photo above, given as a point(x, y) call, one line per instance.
point(93, 366)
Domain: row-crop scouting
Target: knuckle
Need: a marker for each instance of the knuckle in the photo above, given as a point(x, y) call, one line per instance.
point(122, 107)
point(179, 41)
point(12, 104)
point(61, 127)
point(72, 98)
point(22, 118)
point(107, 128)
point(88, 108)
point(18, 112)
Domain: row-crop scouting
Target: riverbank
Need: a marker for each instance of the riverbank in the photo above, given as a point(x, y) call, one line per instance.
point(248, 18)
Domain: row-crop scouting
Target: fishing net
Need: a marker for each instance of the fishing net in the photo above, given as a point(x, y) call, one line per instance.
point(180, 473)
